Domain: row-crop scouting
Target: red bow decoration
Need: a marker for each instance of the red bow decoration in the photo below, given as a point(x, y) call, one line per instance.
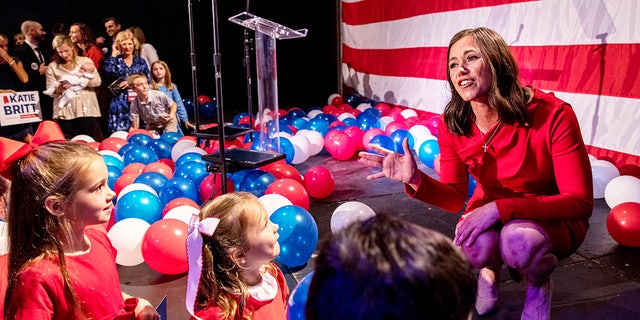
point(11, 151)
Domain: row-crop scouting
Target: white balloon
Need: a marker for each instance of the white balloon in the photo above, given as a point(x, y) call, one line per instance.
point(83, 137)
point(120, 134)
point(349, 212)
point(408, 113)
point(111, 153)
point(384, 121)
point(346, 115)
point(301, 146)
point(4, 238)
point(314, 113)
point(135, 186)
point(126, 236)
point(182, 213)
point(178, 149)
point(419, 130)
point(363, 106)
point(622, 189)
point(592, 158)
point(273, 202)
point(602, 174)
point(316, 141)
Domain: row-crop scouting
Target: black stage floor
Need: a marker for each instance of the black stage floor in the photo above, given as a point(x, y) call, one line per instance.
point(600, 281)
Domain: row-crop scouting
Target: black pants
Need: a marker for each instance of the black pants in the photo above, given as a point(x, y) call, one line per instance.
point(77, 126)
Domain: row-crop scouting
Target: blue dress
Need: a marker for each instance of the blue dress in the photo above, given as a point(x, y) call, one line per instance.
point(181, 111)
point(115, 68)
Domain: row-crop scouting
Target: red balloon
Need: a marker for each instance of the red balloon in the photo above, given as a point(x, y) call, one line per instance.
point(113, 143)
point(168, 162)
point(95, 145)
point(383, 108)
point(282, 170)
point(177, 202)
point(135, 167)
point(202, 99)
point(159, 167)
point(319, 182)
point(211, 187)
point(140, 130)
point(340, 146)
point(623, 224)
point(337, 101)
point(393, 126)
point(356, 135)
point(124, 180)
point(290, 189)
point(369, 134)
point(163, 246)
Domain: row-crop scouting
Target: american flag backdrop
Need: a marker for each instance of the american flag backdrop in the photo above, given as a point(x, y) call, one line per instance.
point(586, 51)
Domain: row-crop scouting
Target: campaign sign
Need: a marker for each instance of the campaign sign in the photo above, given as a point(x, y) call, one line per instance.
point(18, 108)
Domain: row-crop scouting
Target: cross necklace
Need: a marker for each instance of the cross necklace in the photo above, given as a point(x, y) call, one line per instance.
point(487, 143)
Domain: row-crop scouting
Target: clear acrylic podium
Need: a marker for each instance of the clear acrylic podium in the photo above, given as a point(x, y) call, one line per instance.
point(266, 34)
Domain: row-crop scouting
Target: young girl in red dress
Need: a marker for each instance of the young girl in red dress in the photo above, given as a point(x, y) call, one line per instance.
point(236, 279)
point(61, 263)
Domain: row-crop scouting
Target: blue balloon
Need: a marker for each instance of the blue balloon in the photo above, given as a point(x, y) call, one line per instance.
point(298, 298)
point(297, 113)
point(139, 153)
point(300, 123)
point(113, 161)
point(319, 124)
point(353, 99)
point(367, 121)
point(154, 180)
point(188, 105)
point(178, 187)
point(298, 234)
point(398, 136)
point(328, 117)
point(237, 178)
point(188, 157)
point(114, 173)
point(140, 138)
point(472, 186)
point(428, 152)
point(195, 171)
point(382, 140)
point(171, 137)
point(209, 110)
point(161, 147)
point(373, 111)
point(140, 204)
point(251, 136)
point(286, 147)
point(256, 181)
point(126, 148)
point(350, 122)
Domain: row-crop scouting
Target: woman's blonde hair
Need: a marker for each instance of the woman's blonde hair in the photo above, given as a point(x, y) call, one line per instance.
point(167, 77)
point(59, 41)
point(127, 35)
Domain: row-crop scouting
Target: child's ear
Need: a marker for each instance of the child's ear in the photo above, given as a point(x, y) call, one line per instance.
point(237, 256)
point(54, 205)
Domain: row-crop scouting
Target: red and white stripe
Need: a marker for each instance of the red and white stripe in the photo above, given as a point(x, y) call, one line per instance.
point(585, 51)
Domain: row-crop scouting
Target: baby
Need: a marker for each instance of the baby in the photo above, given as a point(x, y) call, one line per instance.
point(78, 79)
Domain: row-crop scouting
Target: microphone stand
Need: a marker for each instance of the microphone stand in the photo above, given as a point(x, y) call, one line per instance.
point(217, 63)
point(247, 66)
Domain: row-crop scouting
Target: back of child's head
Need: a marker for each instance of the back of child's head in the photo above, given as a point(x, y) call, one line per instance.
point(387, 268)
point(220, 252)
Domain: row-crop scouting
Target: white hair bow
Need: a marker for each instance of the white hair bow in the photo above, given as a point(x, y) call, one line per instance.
point(194, 255)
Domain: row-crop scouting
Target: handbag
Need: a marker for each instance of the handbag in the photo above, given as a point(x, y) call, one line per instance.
point(115, 88)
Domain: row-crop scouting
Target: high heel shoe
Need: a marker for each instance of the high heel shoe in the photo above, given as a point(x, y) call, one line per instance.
point(537, 304)
point(488, 288)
